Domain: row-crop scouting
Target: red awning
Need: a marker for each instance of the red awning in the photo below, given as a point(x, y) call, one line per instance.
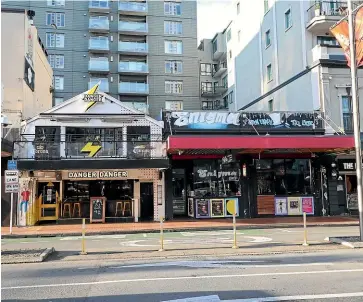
point(252, 144)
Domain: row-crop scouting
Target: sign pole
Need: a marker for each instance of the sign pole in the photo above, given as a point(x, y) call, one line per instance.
point(234, 230)
point(83, 252)
point(305, 231)
point(161, 235)
point(356, 122)
point(11, 212)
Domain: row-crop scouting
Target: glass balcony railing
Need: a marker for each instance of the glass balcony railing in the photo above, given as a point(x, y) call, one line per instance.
point(104, 85)
point(133, 7)
point(99, 65)
point(132, 87)
point(141, 106)
point(140, 27)
point(132, 67)
point(99, 24)
point(133, 47)
point(98, 4)
point(99, 44)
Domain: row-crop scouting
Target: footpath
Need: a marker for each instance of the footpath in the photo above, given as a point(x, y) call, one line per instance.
point(173, 226)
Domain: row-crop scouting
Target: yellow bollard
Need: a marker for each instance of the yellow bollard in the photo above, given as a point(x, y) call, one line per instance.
point(83, 252)
point(305, 231)
point(235, 246)
point(161, 235)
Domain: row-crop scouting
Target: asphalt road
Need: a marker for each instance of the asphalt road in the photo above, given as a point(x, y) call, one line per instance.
point(334, 276)
point(258, 238)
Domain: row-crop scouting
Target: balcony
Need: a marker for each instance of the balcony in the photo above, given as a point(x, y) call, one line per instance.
point(99, 65)
point(133, 8)
point(213, 91)
point(327, 52)
point(104, 85)
point(132, 28)
point(99, 44)
point(133, 88)
point(99, 6)
point(140, 106)
point(219, 69)
point(133, 48)
point(99, 25)
point(133, 67)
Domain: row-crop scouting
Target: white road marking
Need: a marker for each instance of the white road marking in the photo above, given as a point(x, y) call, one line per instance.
point(213, 298)
point(196, 278)
point(94, 237)
point(195, 234)
point(258, 239)
point(300, 297)
point(34, 241)
point(144, 235)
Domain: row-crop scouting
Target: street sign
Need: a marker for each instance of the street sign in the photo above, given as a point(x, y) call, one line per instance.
point(11, 188)
point(12, 165)
point(11, 177)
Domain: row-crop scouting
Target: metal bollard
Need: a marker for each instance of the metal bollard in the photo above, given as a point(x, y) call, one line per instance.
point(235, 246)
point(83, 252)
point(161, 235)
point(305, 231)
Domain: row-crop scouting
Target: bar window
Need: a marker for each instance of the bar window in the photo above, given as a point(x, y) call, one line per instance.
point(205, 179)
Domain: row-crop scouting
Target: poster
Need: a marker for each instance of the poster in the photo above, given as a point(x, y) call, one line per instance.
point(307, 204)
point(294, 205)
point(230, 206)
point(202, 210)
point(190, 207)
point(281, 206)
point(217, 207)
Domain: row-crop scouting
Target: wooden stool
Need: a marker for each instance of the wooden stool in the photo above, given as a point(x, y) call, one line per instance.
point(127, 208)
point(67, 209)
point(78, 206)
point(118, 207)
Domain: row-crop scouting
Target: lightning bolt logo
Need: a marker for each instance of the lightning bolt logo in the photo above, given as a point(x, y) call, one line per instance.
point(92, 150)
point(93, 90)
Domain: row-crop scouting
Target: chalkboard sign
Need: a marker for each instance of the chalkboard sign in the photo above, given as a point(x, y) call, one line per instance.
point(98, 207)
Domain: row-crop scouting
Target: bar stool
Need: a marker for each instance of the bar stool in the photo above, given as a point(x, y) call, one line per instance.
point(127, 208)
point(67, 209)
point(77, 205)
point(118, 207)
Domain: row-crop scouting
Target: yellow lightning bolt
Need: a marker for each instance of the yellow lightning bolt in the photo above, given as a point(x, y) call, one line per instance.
point(91, 149)
point(92, 91)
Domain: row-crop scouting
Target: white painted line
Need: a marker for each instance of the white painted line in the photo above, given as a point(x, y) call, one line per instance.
point(33, 241)
point(196, 278)
point(213, 298)
point(258, 239)
point(293, 298)
point(144, 235)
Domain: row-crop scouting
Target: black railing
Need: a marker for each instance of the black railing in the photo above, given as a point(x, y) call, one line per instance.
point(216, 90)
point(330, 8)
point(217, 67)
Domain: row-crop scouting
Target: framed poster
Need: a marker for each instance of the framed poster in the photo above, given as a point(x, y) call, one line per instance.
point(307, 204)
point(202, 208)
point(281, 206)
point(294, 205)
point(190, 207)
point(98, 209)
point(230, 206)
point(217, 207)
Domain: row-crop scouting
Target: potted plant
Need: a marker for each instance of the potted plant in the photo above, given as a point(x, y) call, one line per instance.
point(317, 9)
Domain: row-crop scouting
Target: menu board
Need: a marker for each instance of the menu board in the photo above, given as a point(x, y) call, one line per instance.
point(202, 208)
point(294, 205)
point(217, 207)
point(98, 209)
point(281, 206)
point(190, 207)
point(231, 207)
point(307, 205)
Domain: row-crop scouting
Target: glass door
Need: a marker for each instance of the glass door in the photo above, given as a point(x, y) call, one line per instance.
point(48, 200)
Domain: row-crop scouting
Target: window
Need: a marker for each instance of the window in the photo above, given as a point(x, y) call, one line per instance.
point(99, 3)
point(205, 69)
point(207, 87)
point(238, 8)
point(265, 6)
point(207, 105)
point(229, 35)
point(174, 67)
point(174, 47)
point(174, 105)
point(225, 82)
point(174, 87)
point(55, 40)
point(271, 105)
point(56, 2)
point(56, 18)
point(326, 40)
point(230, 54)
point(269, 73)
point(239, 36)
point(214, 46)
point(347, 110)
point(173, 28)
point(58, 101)
point(56, 61)
point(268, 38)
point(58, 82)
point(172, 8)
point(288, 19)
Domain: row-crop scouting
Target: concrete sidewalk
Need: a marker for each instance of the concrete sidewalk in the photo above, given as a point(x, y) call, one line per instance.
point(174, 226)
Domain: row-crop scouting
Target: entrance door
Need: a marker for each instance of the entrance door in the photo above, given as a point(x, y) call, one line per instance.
point(48, 200)
point(147, 200)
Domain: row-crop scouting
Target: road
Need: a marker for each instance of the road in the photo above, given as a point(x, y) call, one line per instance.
point(334, 276)
point(258, 238)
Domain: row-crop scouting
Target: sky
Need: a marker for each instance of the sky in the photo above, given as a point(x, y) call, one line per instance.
point(213, 17)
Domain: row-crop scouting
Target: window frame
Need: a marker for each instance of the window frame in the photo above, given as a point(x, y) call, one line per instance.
point(271, 105)
point(173, 10)
point(167, 47)
point(343, 114)
point(57, 103)
point(172, 69)
point(56, 35)
point(206, 73)
point(56, 3)
point(60, 77)
point(174, 87)
point(238, 8)
point(267, 37)
point(288, 12)
point(229, 35)
point(173, 109)
point(56, 57)
point(269, 75)
point(54, 15)
point(173, 25)
point(266, 6)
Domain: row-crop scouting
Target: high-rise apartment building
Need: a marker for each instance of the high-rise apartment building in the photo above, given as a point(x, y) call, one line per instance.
point(142, 52)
